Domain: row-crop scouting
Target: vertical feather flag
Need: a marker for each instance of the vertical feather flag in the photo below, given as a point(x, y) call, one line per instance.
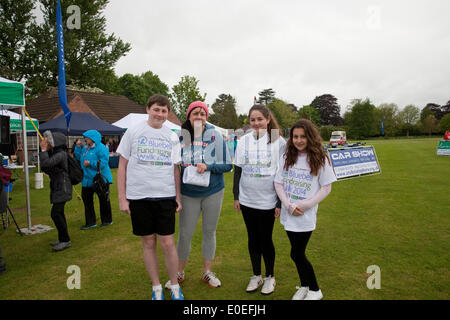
point(62, 95)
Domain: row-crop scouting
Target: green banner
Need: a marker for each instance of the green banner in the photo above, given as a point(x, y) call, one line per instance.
point(11, 93)
point(16, 125)
point(443, 148)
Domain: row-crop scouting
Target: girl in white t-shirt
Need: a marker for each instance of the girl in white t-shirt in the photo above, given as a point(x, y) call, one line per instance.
point(303, 179)
point(256, 161)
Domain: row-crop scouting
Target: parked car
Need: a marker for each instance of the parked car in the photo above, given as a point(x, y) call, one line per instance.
point(338, 138)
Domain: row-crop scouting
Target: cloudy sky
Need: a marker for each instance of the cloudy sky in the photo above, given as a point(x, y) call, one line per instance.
point(389, 51)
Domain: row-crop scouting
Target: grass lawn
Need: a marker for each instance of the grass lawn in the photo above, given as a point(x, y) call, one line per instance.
point(398, 220)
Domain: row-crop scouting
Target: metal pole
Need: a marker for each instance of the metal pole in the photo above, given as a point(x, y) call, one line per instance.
point(25, 167)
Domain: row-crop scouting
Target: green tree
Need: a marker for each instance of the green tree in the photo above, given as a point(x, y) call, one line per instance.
point(89, 52)
point(430, 124)
point(389, 113)
point(409, 117)
point(140, 88)
point(283, 113)
point(444, 124)
point(183, 94)
point(266, 96)
point(431, 108)
point(310, 113)
point(361, 119)
point(328, 108)
point(16, 25)
point(225, 115)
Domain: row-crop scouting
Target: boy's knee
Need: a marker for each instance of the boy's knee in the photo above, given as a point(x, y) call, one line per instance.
point(166, 242)
point(149, 242)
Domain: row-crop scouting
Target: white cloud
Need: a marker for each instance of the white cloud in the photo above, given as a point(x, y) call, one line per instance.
point(389, 51)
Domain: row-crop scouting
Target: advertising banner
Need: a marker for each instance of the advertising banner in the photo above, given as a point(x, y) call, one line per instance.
point(443, 148)
point(354, 161)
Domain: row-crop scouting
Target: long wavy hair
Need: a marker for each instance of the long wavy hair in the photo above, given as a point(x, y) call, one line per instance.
point(272, 125)
point(316, 154)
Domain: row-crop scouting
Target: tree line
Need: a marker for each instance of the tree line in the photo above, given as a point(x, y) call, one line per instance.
point(28, 53)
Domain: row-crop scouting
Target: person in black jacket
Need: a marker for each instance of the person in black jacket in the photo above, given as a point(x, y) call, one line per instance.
point(53, 159)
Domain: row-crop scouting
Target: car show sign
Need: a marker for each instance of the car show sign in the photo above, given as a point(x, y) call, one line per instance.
point(443, 148)
point(350, 162)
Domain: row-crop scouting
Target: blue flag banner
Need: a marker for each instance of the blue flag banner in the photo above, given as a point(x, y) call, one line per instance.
point(351, 162)
point(382, 128)
point(62, 95)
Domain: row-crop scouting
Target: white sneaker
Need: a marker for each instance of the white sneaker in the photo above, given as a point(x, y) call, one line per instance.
point(314, 295)
point(255, 283)
point(180, 278)
point(269, 285)
point(211, 278)
point(301, 293)
point(157, 293)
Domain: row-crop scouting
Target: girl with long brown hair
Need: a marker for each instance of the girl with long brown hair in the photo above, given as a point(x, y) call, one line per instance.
point(303, 180)
point(256, 161)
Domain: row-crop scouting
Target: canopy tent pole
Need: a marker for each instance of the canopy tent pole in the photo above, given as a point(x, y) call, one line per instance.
point(25, 167)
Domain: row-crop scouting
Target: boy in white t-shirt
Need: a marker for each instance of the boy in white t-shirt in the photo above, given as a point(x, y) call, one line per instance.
point(148, 180)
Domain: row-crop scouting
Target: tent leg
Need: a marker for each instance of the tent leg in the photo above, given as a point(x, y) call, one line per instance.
point(25, 168)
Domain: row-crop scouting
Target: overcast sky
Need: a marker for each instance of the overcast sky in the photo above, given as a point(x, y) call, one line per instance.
point(389, 51)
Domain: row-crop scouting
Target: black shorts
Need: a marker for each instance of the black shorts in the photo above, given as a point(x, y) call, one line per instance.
point(149, 217)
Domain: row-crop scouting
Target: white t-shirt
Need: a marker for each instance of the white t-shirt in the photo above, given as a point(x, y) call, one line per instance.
point(299, 184)
point(151, 154)
point(259, 162)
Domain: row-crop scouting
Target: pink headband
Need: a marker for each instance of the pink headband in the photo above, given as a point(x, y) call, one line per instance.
point(197, 104)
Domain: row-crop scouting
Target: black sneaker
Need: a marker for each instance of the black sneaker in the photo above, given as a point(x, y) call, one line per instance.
point(88, 227)
point(106, 224)
point(62, 245)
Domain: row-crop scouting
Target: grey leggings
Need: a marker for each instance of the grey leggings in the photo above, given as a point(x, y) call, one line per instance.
point(210, 206)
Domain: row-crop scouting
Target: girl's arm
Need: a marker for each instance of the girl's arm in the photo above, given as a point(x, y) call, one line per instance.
point(236, 179)
point(220, 165)
point(316, 199)
point(177, 176)
point(279, 188)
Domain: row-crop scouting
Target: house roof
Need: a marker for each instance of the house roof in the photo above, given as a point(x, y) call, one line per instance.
point(107, 107)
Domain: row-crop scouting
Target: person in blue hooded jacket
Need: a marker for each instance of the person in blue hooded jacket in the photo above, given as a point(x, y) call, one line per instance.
point(88, 156)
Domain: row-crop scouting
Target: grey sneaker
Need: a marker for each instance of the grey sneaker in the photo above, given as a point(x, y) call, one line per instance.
point(211, 279)
point(54, 243)
point(254, 284)
point(301, 293)
point(62, 245)
point(269, 285)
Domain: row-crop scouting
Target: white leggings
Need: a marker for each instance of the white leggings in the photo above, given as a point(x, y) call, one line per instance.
point(210, 206)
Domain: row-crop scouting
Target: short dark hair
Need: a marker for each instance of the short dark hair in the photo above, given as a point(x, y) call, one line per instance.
point(159, 99)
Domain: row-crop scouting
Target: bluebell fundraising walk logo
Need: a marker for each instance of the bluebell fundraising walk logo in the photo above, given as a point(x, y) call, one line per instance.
point(154, 151)
point(258, 163)
point(297, 182)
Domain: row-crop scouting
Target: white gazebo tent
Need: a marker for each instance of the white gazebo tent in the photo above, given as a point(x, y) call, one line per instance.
point(12, 96)
point(131, 119)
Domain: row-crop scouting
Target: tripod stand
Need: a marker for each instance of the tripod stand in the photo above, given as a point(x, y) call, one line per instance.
point(5, 210)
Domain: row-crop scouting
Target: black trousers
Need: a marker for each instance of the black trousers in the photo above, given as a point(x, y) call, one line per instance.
point(259, 225)
point(299, 240)
point(59, 219)
point(87, 194)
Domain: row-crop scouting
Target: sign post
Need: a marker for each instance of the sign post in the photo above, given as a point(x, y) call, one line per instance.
point(443, 148)
point(351, 162)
